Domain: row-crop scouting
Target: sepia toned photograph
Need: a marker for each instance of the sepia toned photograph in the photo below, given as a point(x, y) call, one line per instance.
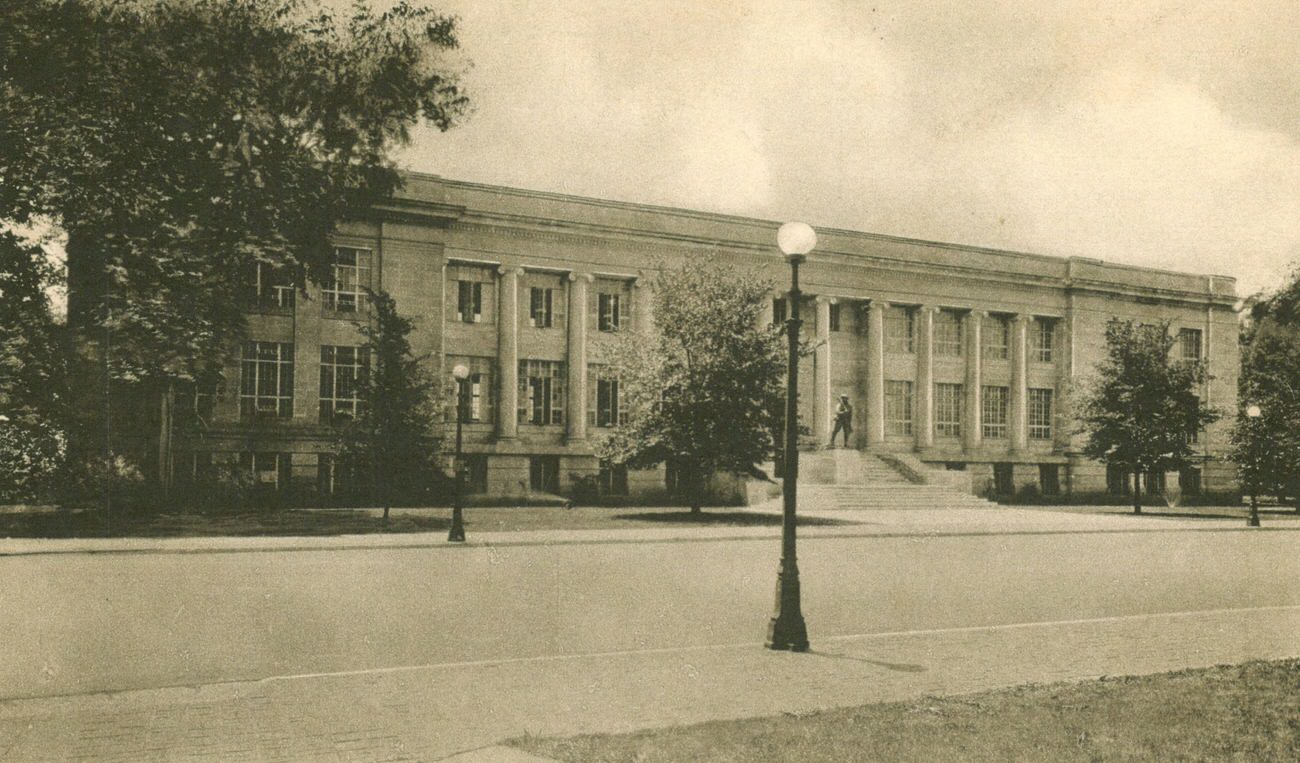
point(537, 381)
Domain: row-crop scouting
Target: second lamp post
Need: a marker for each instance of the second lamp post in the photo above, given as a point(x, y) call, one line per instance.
point(460, 373)
point(787, 629)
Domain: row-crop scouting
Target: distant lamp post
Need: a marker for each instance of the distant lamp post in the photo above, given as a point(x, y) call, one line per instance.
point(787, 629)
point(1253, 414)
point(457, 534)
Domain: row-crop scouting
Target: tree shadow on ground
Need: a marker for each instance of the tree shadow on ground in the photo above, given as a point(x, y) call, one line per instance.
point(91, 524)
point(728, 518)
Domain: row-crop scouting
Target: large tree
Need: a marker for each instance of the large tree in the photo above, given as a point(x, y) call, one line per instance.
point(391, 445)
point(1267, 451)
point(31, 371)
point(1143, 406)
point(183, 143)
point(704, 387)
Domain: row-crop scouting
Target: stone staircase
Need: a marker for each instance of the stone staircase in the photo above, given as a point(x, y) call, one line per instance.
point(849, 480)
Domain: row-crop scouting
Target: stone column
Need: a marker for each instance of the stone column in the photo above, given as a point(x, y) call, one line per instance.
point(924, 413)
point(823, 406)
point(767, 314)
point(508, 352)
point(974, 434)
point(875, 418)
point(643, 304)
point(1019, 382)
point(577, 356)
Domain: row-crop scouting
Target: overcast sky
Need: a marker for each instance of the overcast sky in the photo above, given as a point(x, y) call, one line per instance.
point(1155, 133)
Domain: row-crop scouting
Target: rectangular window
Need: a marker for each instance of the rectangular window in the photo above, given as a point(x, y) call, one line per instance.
point(272, 287)
point(342, 369)
point(544, 473)
point(996, 338)
point(612, 479)
point(1044, 338)
point(197, 399)
point(475, 473)
point(269, 471)
point(266, 380)
point(1189, 344)
point(1193, 423)
point(602, 397)
point(780, 310)
point(610, 313)
point(1189, 480)
point(899, 330)
point(541, 392)
point(1117, 480)
point(1040, 414)
point(477, 388)
point(898, 407)
point(346, 283)
point(541, 313)
point(835, 316)
point(1004, 478)
point(995, 412)
point(1049, 479)
point(947, 333)
point(469, 301)
point(948, 404)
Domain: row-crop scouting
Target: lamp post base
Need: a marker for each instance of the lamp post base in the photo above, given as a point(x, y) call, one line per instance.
point(786, 630)
point(457, 534)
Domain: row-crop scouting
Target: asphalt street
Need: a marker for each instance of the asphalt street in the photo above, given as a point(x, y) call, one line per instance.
point(78, 623)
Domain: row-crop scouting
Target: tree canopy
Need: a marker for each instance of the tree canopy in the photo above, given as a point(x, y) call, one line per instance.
point(703, 388)
point(182, 142)
point(1143, 407)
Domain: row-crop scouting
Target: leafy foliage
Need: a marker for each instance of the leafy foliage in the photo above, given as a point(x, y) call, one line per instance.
point(1267, 450)
point(704, 388)
point(180, 143)
point(1143, 405)
point(392, 443)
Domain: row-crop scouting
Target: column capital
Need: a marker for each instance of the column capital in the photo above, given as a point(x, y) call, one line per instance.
point(978, 314)
point(931, 309)
point(504, 270)
point(877, 304)
point(588, 277)
point(1023, 318)
point(823, 299)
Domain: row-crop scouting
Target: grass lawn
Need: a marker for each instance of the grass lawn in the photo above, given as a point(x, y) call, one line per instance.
point(289, 522)
point(1248, 712)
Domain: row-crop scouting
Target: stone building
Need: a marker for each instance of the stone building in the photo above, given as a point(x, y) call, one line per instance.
point(964, 357)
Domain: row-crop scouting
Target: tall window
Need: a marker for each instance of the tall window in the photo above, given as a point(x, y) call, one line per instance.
point(468, 289)
point(272, 287)
point(1193, 422)
point(899, 329)
point(544, 473)
point(1040, 414)
point(344, 287)
point(995, 412)
point(1044, 338)
point(898, 407)
point(541, 308)
point(836, 316)
point(1118, 480)
point(780, 310)
point(341, 371)
point(996, 337)
point(198, 398)
point(469, 301)
point(541, 392)
point(947, 333)
point(266, 380)
point(1189, 344)
point(602, 397)
point(610, 311)
point(477, 387)
point(947, 410)
point(612, 479)
point(1049, 479)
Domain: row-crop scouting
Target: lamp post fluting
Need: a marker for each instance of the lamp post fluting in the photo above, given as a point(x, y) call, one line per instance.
point(1253, 413)
point(787, 630)
point(457, 533)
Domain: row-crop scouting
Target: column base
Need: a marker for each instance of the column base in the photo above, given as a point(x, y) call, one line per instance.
point(786, 630)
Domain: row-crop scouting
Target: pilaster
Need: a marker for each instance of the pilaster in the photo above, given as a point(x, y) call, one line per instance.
point(508, 351)
point(875, 420)
point(577, 356)
point(822, 410)
point(925, 378)
point(974, 432)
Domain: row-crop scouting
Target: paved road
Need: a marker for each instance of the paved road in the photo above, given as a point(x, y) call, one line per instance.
point(82, 623)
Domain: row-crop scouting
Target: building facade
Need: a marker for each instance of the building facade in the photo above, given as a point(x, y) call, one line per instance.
point(965, 357)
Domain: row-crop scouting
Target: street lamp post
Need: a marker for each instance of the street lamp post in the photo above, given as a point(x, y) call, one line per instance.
point(1253, 413)
point(787, 629)
point(457, 534)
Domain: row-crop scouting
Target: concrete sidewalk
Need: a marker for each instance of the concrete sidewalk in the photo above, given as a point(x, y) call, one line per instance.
point(429, 712)
point(864, 523)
